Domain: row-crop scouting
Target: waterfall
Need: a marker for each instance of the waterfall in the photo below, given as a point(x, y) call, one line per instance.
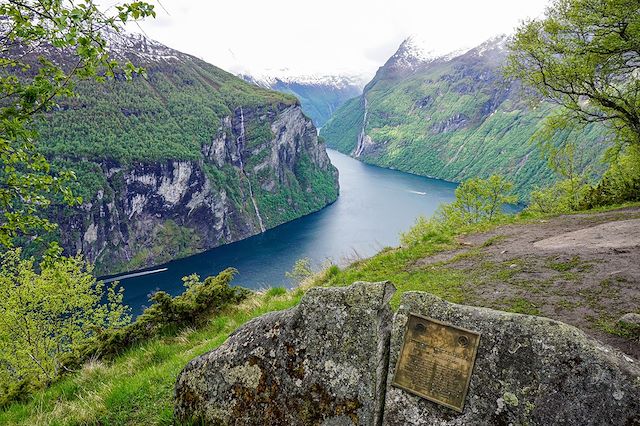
point(360, 147)
point(240, 147)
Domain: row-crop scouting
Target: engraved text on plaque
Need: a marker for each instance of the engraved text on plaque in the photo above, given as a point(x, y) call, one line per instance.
point(436, 361)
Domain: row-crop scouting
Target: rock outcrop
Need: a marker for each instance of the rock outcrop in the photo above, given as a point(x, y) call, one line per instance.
point(323, 362)
point(326, 362)
point(528, 371)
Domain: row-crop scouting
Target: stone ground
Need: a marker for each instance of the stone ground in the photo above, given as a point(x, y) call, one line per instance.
point(582, 269)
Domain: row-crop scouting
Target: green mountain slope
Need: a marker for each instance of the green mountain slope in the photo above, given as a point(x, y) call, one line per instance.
point(185, 160)
point(450, 117)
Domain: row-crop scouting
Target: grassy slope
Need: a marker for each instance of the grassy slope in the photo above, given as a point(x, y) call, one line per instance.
point(168, 115)
point(137, 387)
point(417, 124)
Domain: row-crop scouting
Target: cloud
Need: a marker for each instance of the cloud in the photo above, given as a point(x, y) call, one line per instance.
point(329, 36)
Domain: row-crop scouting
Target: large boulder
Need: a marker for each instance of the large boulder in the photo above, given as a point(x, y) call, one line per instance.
point(323, 362)
point(528, 371)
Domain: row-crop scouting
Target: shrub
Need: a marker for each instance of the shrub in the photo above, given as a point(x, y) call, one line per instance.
point(48, 315)
point(477, 201)
point(562, 197)
point(301, 270)
point(620, 183)
point(199, 302)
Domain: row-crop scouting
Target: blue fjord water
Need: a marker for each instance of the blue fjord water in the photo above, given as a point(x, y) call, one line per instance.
point(374, 206)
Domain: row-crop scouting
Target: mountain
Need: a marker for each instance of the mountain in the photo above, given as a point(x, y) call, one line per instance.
point(320, 96)
point(187, 159)
point(451, 115)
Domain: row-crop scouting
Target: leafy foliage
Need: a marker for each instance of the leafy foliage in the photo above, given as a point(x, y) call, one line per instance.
point(199, 302)
point(621, 183)
point(584, 56)
point(49, 314)
point(479, 200)
point(301, 270)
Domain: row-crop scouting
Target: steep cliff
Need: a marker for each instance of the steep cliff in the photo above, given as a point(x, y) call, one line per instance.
point(186, 159)
point(451, 116)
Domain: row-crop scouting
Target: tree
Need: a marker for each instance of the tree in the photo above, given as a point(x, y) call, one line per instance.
point(585, 56)
point(479, 200)
point(31, 83)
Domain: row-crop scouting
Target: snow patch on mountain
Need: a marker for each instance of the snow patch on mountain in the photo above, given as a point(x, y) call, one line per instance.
point(128, 43)
point(415, 51)
point(270, 78)
point(498, 42)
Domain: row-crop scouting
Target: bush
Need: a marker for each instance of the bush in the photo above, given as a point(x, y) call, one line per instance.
point(477, 201)
point(47, 316)
point(199, 302)
point(562, 197)
point(301, 270)
point(620, 183)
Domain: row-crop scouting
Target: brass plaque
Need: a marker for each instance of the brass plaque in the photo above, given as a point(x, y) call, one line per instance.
point(436, 361)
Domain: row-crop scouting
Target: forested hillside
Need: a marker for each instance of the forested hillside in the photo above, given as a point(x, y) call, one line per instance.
point(183, 159)
point(453, 117)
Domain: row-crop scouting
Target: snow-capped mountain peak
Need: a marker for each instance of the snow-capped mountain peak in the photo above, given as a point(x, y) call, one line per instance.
point(498, 43)
point(415, 51)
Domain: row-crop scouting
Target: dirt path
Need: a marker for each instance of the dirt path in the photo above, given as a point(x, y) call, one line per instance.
point(580, 269)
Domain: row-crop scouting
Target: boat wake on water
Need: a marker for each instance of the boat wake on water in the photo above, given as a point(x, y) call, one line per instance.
point(132, 275)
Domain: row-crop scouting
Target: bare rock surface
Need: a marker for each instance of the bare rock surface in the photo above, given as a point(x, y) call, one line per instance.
point(589, 281)
point(323, 362)
point(618, 234)
point(529, 371)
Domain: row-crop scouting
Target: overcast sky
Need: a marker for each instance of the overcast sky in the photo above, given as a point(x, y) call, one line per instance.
point(325, 36)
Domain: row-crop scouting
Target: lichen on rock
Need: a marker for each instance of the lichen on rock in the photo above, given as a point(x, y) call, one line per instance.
point(322, 362)
point(330, 361)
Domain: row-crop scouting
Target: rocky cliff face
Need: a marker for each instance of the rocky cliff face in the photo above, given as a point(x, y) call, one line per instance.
point(182, 160)
point(151, 212)
point(331, 361)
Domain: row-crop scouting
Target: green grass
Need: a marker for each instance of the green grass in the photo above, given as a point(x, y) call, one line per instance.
point(567, 266)
point(521, 305)
point(137, 387)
